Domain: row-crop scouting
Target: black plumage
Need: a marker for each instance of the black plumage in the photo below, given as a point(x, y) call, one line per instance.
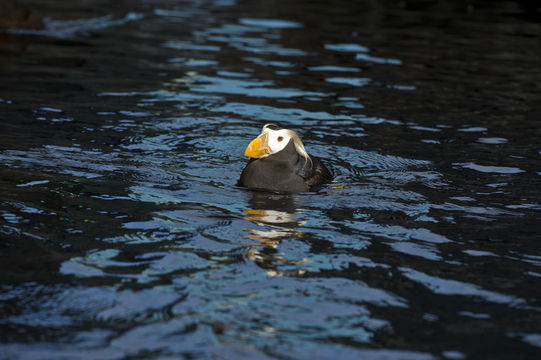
point(285, 170)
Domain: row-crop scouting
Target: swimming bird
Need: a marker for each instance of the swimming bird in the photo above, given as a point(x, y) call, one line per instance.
point(280, 163)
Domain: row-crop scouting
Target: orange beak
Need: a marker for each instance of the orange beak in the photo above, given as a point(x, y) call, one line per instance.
point(258, 147)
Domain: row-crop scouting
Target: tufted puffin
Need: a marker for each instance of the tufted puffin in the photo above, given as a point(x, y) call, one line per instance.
point(280, 163)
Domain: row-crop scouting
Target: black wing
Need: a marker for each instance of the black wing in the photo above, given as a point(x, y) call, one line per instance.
point(313, 174)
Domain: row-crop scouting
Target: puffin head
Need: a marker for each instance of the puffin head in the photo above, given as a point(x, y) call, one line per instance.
point(273, 139)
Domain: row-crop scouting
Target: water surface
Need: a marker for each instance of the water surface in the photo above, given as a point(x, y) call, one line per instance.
point(124, 234)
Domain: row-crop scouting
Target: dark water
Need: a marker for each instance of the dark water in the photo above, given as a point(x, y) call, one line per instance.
point(124, 234)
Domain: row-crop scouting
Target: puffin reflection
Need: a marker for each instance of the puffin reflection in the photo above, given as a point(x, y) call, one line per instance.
point(277, 225)
point(276, 216)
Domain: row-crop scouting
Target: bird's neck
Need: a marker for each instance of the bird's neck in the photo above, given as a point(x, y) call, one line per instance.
point(287, 155)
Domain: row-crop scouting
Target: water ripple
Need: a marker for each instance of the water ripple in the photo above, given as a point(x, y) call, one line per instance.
point(125, 234)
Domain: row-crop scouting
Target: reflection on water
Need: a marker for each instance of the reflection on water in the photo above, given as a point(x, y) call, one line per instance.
point(277, 217)
point(124, 235)
point(277, 220)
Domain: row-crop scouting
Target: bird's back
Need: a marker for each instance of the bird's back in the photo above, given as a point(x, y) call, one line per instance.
point(284, 171)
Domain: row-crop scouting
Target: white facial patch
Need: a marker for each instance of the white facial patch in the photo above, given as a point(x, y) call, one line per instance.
point(277, 139)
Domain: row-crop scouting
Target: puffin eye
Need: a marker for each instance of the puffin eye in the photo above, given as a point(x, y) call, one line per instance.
point(280, 138)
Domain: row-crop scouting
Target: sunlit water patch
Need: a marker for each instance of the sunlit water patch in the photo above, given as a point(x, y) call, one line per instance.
point(125, 234)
